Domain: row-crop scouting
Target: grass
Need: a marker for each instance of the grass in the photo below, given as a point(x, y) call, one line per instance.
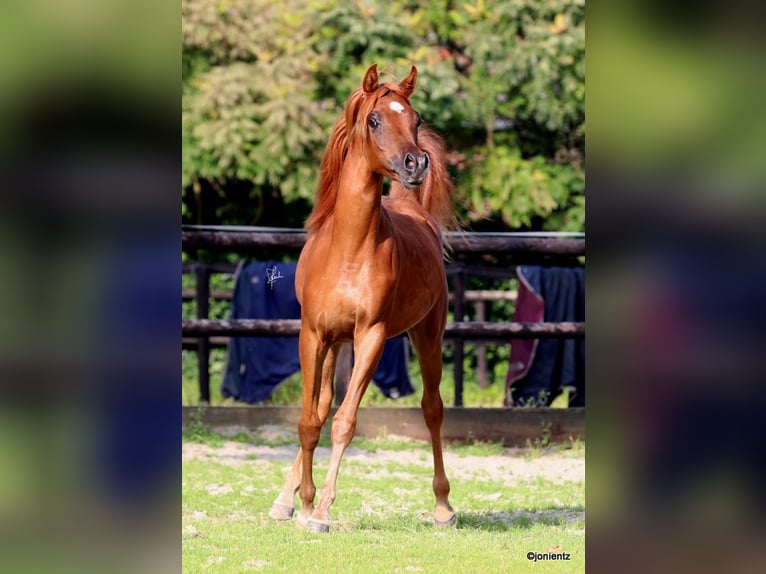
point(380, 518)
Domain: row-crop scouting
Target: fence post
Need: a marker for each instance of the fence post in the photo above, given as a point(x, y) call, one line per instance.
point(481, 348)
point(202, 292)
point(458, 354)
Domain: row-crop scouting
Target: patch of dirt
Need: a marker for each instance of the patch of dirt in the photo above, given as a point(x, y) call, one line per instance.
point(218, 489)
point(512, 465)
point(191, 531)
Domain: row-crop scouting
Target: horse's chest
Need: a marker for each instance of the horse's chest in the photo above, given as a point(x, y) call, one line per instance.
point(347, 293)
point(342, 295)
point(333, 314)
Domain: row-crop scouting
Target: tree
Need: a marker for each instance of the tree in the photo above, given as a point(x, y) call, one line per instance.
point(502, 81)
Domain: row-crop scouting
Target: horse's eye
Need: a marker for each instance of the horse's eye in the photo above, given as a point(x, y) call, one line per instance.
point(372, 121)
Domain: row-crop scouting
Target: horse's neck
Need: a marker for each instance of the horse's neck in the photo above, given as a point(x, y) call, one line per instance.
point(357, 207)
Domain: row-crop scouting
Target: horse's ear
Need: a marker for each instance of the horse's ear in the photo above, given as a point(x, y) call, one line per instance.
point(370, 82)
point(408, 84)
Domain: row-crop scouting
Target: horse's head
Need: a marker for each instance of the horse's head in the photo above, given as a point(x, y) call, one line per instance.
point(390, 128)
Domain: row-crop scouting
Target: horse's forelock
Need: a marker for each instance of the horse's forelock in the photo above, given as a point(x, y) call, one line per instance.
point(360, 104)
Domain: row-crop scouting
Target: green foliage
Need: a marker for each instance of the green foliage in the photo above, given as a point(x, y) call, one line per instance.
point(502, 81)
point(198, 431)
point(527, 71)
point(500, 181)
point(190, 376)
point(218, 308)
point(541, 444)
point(249, 111)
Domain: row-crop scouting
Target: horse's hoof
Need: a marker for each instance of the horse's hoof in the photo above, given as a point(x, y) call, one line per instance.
point(281, 511)
point(316, 526)
point(451, 521)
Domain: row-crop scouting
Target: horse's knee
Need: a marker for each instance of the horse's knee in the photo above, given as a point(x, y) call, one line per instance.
point(343, 430)
point(433, 408)
point(308, 434)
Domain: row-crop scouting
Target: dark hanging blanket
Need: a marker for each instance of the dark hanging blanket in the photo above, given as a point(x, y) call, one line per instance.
point(540, 368)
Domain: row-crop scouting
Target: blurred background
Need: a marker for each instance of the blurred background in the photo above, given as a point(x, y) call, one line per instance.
point(89, 281)
point(503, 82)
point(676, 140)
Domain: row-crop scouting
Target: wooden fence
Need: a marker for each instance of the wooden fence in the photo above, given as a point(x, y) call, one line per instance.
point(525, 248)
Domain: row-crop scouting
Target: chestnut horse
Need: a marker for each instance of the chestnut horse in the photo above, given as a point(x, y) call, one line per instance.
point(372, 268)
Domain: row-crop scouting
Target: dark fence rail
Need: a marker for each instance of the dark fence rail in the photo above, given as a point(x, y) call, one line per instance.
point(464, 330)
point(293, 240)
point(562, 244)
point(475, 295)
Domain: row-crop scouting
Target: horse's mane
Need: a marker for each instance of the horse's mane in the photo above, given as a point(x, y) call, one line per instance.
point(435, 192)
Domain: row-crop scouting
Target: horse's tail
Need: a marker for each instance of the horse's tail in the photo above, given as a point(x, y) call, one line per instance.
point(435, 193)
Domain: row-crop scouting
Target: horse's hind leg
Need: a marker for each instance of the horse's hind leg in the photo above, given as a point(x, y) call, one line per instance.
point(283, 506)
point(427, 339)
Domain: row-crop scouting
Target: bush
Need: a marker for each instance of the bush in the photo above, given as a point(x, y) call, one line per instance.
point(502, 81)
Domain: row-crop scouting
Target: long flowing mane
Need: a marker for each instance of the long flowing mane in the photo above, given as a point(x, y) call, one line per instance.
point(434, 194)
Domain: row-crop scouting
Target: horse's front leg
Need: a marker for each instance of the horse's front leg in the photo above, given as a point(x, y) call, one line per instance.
point(368, 348)
point(283, 506)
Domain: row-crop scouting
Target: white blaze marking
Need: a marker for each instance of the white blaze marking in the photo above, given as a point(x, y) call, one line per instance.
point(397, 107)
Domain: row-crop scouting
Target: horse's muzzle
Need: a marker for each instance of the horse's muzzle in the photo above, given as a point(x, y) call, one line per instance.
point(414, 169)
